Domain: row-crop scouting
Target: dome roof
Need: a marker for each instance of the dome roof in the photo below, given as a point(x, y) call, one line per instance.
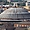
point(15, 11)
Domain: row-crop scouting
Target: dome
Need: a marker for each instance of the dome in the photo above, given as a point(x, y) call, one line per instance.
point(15, 11)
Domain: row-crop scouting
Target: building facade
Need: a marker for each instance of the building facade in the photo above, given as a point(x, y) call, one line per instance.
point(14, 25)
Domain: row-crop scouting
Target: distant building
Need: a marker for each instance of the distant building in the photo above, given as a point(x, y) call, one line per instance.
point(16, 0)
point(19, 2)
point(3, 2)
point(27, 3)
point(8, 0)
point(27, 6)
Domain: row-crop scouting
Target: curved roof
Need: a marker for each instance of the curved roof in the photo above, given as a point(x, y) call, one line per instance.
point(15, 13)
